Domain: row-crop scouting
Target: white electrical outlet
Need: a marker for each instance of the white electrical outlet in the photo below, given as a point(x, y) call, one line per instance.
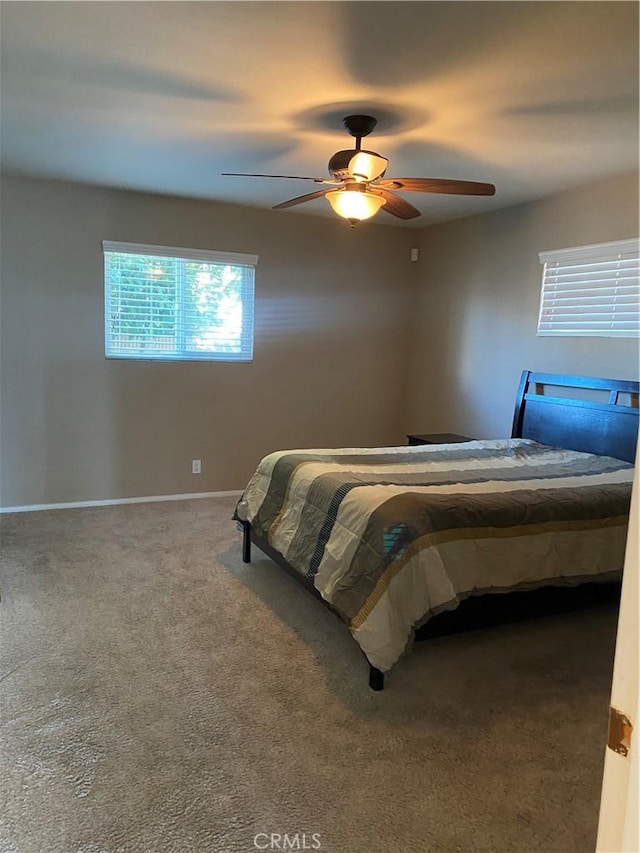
point(196, 466)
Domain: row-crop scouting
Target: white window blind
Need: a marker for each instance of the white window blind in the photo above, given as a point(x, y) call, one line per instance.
point(591, 291)
point(163, 302)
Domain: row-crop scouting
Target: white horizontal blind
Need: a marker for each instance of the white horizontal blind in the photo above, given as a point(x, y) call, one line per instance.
point(163, 302)
point(591, 291)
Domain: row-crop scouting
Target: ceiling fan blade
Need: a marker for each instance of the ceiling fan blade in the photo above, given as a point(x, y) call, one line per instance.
point(395, 205)
point(437, 185)
point(300, 199)
point(294, 177)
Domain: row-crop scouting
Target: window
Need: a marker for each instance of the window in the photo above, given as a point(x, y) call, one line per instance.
point(591, 291)
point(167, 303)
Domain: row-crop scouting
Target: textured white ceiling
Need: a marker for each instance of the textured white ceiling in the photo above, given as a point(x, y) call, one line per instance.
point(532, 96)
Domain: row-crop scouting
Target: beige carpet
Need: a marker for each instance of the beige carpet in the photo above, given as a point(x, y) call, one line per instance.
point(159, 695)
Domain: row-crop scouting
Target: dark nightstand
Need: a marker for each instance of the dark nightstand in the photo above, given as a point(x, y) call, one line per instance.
point(437, 438)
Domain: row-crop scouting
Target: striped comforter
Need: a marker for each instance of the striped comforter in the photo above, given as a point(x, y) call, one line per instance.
point(391, 536)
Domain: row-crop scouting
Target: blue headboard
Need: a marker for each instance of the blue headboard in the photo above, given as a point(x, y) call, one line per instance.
point(608, 427)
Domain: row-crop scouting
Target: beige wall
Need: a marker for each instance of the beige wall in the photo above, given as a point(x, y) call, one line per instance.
point(477, 312)
point(332, 313)
point(354, 345)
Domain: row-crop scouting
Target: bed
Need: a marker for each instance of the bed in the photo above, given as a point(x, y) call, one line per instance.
point(390, 537)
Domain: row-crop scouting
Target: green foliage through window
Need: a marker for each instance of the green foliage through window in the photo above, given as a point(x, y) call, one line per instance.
point(177, 308)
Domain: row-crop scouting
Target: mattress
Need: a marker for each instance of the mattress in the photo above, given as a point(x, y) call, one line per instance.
point(391, 536)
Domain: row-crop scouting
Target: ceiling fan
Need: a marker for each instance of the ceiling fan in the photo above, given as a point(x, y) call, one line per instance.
point(358, 188)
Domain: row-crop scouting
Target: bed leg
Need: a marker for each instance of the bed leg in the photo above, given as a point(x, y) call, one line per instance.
point(376, 678)
point(246, 542)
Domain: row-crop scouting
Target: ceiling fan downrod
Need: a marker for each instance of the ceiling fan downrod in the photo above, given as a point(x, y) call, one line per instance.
point(359, 126)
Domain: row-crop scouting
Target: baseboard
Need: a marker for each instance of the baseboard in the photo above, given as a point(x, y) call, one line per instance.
point(116, 501)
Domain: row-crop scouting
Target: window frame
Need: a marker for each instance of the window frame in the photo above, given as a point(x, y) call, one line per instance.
point(246, 353)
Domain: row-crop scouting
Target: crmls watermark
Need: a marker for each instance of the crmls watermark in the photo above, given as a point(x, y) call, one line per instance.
point(287, 841)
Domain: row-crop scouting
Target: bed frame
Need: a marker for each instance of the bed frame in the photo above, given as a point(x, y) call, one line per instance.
point(576, 422)
point(607, 428)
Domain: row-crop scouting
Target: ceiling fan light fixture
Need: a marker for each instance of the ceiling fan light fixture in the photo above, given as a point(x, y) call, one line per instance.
point(355, 204)
point(367, 166)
